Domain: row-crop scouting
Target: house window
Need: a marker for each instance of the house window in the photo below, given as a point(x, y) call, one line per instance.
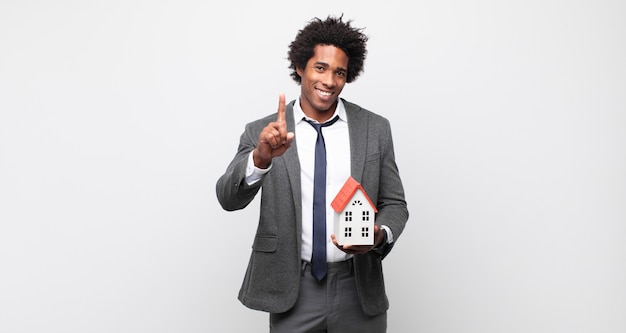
point(347, 232)
point(357, 203)
point(348, 216)
point(365, 232)
point(366, 215)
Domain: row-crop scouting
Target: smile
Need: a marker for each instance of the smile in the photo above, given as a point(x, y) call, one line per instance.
point(324, 93)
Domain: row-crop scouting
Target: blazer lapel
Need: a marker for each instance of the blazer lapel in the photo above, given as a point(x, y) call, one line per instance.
point(292, 163)
point(357, 127)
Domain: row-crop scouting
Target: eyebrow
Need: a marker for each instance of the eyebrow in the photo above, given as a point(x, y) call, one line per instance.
point(327, 66)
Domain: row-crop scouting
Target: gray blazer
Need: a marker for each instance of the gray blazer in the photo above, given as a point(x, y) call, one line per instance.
point(272, 279)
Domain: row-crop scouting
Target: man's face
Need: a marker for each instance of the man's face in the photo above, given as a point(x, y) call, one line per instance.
point(323, 78)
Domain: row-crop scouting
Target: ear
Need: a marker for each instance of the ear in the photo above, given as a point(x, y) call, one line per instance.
point(299, 71)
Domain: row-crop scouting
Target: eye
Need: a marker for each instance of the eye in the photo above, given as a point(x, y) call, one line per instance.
point(319, 68)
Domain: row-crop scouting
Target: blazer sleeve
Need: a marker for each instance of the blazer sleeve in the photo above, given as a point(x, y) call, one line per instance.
point(233, 193)
point(392, 206)
point(382, 174)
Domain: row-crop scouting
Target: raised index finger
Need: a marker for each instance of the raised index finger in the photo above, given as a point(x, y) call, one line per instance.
point(281, 108)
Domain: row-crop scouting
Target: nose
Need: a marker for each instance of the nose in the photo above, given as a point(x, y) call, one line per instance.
point(328, 79)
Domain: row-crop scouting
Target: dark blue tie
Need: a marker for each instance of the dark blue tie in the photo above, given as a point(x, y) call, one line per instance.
point(318, 260)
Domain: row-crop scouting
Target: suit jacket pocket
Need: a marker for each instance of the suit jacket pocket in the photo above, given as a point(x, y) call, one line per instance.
point(265, 243)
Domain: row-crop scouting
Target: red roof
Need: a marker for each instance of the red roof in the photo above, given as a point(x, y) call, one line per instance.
point(346, 193)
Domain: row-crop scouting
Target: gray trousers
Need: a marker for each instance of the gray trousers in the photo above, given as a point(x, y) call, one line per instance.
point(331, 305)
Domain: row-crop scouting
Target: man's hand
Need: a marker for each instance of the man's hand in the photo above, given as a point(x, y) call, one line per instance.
point(274, 140)
point(379, 237)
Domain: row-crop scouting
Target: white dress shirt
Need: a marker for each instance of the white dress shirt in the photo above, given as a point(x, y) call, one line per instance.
point(337, 140)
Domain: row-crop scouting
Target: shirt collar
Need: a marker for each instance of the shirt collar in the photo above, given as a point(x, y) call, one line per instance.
point(339, 111)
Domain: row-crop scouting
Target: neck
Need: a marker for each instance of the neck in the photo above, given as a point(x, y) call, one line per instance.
point(320, 116)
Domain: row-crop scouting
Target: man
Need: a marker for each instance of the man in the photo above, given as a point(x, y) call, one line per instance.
point(305, 286)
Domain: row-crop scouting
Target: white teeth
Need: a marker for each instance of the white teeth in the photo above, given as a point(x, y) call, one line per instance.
point(325, 93)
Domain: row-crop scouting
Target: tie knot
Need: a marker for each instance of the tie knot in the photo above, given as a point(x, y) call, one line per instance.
point(319, 126)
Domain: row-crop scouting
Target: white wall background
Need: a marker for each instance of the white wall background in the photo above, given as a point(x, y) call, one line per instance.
point(117, 117)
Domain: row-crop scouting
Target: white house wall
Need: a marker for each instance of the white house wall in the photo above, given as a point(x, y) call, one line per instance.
point(361, 232)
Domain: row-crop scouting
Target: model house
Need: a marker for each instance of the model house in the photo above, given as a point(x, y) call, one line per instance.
point(354, 215)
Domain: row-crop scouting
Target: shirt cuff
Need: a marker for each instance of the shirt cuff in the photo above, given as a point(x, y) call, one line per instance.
point(389, 234)
point(253, 173)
